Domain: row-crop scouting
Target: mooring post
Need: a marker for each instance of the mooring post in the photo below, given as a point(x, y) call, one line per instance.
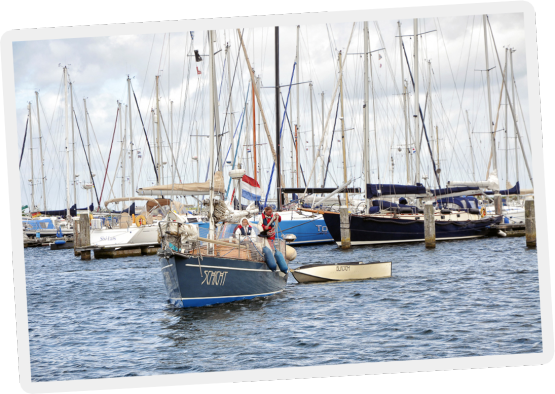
point(84, 235)
point(76, 239)
point(530, 223)
point(429, 226)
point(345, 227)
point(498, 203)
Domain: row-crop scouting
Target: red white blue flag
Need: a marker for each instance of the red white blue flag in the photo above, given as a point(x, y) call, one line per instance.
point(250, 189)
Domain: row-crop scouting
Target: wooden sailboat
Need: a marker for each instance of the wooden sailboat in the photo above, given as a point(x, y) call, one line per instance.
point(205, 271)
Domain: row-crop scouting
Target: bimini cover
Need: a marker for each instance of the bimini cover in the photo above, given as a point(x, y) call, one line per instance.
point(465, 202)
point(389, 190)
point(185, 189)
point(511, 191)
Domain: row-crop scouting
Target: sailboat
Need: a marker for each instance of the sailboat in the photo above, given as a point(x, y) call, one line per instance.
point(388, 222)
point(200, 271)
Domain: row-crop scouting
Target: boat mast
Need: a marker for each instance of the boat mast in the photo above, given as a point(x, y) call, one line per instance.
point(171, 142)
point(506, 121)
point(416, 103)
point(343, 142)
point(278, 141)
point(471, 150)
point(231, 123)
point(514, 116)
point(31, 153)
point(254, 166)
point(216, 113)
point(156, 119)
point(323, 129)
point(430, 110)
point(213, 107)
point(366, 119)
point(68, 217)
point(154, 139)
point(492, 132)
point(73, 144)
point(131, 137)
point(259, 168)
point(314, 183)
point(407, 148)
point(88, 141)
point(298, 125)
point(40, 149)
point(122, 154)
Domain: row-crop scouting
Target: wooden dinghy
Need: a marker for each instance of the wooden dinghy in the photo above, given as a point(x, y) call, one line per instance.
point(342, 271)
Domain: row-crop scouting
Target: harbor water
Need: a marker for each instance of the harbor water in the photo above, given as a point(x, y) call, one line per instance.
point(110, 317)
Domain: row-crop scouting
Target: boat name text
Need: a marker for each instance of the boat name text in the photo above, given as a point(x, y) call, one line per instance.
point(214, 278)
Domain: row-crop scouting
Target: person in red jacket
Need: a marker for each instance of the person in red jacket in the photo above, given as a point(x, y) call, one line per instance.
point(269, 220)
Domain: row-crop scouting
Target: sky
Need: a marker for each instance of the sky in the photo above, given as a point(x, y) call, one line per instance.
point(98, 69)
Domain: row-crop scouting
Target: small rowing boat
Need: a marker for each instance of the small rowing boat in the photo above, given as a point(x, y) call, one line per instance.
point(342, 271)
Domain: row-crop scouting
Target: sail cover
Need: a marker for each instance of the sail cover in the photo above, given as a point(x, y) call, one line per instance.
point(185, 189)
point(389, 190)
point(511, 191)
point(63, 212)
point(451, 190)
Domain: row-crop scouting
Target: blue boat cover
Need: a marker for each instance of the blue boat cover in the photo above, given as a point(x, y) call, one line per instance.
point(450, 190)
point(130, 210)
point(387, 190)
point(63, 212)
point(511, 191)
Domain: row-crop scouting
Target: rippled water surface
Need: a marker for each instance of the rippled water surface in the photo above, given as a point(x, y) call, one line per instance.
point(110, 318)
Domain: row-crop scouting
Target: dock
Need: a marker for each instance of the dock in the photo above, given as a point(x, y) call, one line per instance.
point(115, 251)
point(511, 229)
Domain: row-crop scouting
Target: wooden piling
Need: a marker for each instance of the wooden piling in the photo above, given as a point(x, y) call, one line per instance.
point(84, 235)
point(76, 239)
point(345, 228)
point(429, 226)
point(530, 223)
point(498, 203)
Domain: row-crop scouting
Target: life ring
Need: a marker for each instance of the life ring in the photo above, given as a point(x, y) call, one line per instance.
point(140, 220)
point(483, 211)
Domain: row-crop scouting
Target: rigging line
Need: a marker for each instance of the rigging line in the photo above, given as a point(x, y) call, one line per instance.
point(146, 135)
point(87, 158)
point(230, 92)
point(241, 118)
point(106, 173)
point(280, 131)
point(171, 149)
point(422, 117)
point(331, 145)
point(295, 142)
point(24, 139)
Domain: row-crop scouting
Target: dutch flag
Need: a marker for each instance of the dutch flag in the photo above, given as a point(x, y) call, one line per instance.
point(250, 189)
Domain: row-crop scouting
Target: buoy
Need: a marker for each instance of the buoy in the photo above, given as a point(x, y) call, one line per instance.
point(140, 220)
point(501, 233)
point(290, 253)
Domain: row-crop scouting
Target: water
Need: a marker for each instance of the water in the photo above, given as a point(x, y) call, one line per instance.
point(110, 318)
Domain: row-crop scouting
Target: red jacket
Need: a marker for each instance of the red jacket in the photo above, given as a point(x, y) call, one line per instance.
point(266, 225)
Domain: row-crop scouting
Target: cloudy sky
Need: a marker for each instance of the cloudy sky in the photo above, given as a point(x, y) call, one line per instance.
point(98, 69)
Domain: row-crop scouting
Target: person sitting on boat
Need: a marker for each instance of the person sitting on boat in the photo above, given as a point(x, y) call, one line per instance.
point(243, 230)
point(269, 220)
